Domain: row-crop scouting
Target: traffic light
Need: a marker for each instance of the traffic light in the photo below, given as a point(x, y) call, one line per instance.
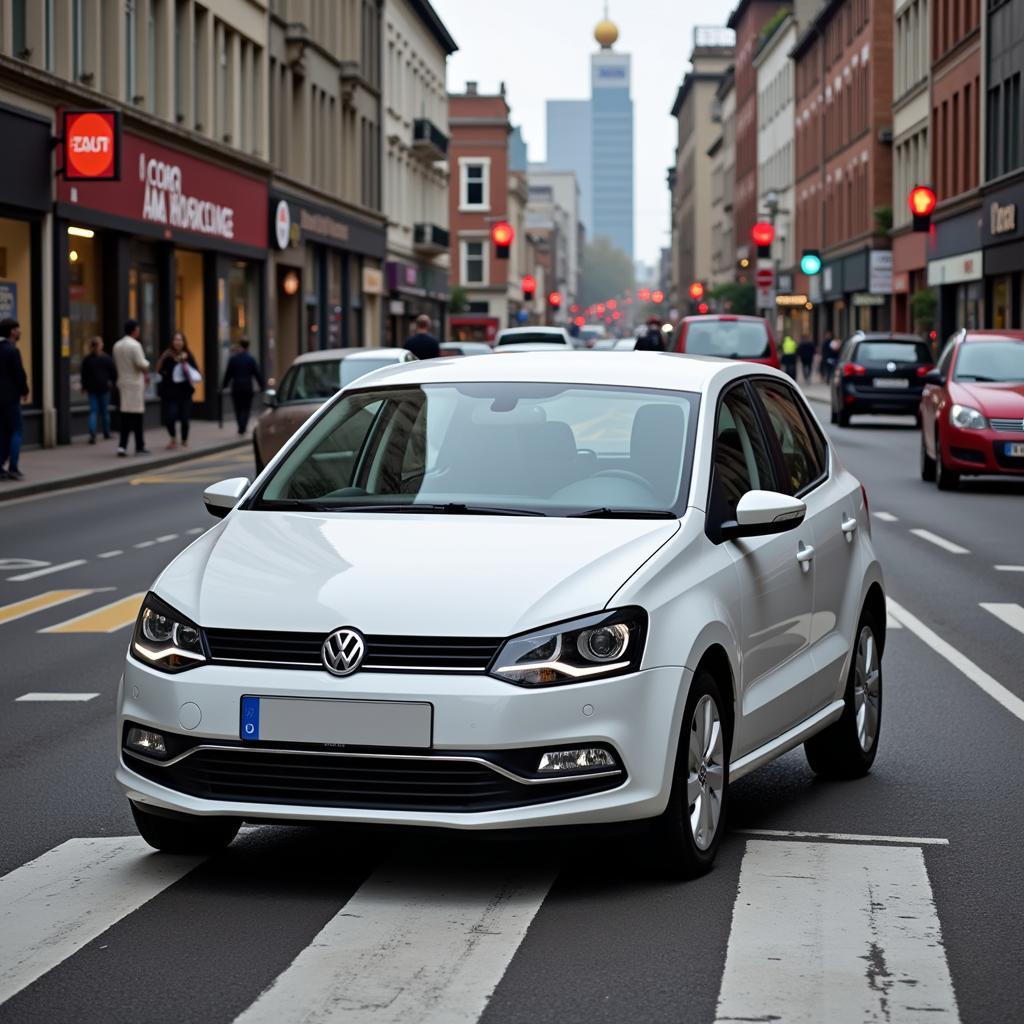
point(612, 303)
point(657, 297)
point(502, 235)
point(922, 201)
point(696, 291)
point(529, 286)
point(810, 262)
point(644, 294)
point(703, 308)
point(554, 299)
point(763, 233)
point(744, 263)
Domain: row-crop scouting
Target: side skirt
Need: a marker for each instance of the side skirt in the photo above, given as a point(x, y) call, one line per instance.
point(787, 741)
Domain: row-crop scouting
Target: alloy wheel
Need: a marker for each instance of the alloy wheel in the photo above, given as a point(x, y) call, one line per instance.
point(705, 781)
point(867, 688)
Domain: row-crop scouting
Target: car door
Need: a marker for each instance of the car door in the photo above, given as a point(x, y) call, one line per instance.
point(834, 519)
point(933, 395)
point(775, 593)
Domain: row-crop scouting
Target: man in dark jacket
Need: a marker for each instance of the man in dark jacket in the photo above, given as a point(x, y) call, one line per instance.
point(650, 340)
point(423, 345)
point(99, 375)
point(243, 377)
point(13, 388)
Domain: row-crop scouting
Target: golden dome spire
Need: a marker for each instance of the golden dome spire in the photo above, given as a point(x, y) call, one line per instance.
point(606, 31)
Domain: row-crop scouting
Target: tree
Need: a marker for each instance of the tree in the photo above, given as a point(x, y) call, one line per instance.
point(606, 272)
point(731, 297)
point(457, 299)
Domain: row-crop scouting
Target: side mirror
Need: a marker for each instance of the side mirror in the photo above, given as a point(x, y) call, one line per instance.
point(760, 513)
point(933, 377)
point(270, 398)
point(220, 498)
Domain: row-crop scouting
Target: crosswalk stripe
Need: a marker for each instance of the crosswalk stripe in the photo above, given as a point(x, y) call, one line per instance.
point(54, 905)
point(52, 598)
point(1009, 568)
point(55, 697)
point(416, 945)
point(1011, 614)
point(26, 576)
point(108, 619)
point(838, 933)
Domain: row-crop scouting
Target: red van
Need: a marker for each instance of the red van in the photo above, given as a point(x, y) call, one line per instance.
point(731, 337)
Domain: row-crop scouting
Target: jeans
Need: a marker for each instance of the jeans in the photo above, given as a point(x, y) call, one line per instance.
point(178, 409)
point(99, 412)
point(10, 435)
point(131, 422)
point(242, 401)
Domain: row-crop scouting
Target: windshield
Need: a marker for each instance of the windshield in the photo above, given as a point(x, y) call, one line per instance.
point(893, 352)
point(998, 361)
point(310, 382)
point(548, 449)
point(351, 369)
point(548, 338)
point(731, 339)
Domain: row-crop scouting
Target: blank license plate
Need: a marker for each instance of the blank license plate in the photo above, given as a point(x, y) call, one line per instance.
point(1015, 449)
point(364, 723)
point(891, 382)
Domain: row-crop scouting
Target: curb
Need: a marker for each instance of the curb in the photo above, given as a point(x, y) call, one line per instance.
point(128, 468)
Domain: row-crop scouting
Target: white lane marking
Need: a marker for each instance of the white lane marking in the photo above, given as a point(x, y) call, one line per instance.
point(959, 661)
point(886, 517)
point(415, 945)
point(195, 530)
point(1009, 568)
point(837, 933)
point(941, 542)
point(10, 564)
point(52, 906)
point(1011, 614)
point(166, 537)
point(110, 554)
point(54, 696)
point(891, 622)
point(844, 837)
point(26, 576)
point(144, 544)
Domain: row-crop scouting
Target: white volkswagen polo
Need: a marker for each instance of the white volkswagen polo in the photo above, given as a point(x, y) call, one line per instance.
point(540, 590)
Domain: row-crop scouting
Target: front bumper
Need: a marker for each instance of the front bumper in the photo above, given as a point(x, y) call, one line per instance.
point(981, 451)
point(636, 715)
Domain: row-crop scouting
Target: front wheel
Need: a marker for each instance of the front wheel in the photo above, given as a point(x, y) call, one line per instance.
point(185, 834)
point(946, 479)
point(690, 830)
point(927, 463)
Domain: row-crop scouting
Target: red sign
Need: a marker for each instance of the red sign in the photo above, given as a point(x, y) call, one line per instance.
point(92, 145)
point(764, 277)
point(177, 195)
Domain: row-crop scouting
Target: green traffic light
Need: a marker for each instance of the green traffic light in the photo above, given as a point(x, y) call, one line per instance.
point(810, 264)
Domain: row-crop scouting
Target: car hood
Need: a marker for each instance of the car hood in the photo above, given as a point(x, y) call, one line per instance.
point(1004, 401)
point(405, 574)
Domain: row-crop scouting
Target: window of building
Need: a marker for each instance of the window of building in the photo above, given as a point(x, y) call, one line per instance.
point(48, 34)
point(19, 34)
point(16, 286)
point(475, 185)
point(474, 262)
point(151, 58)
point(77, 39)
point(85, 276)
point(129, 51)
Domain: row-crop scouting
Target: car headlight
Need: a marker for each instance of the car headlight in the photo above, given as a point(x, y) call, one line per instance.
point(966, 418)
point(166, 639)
point(594, 647)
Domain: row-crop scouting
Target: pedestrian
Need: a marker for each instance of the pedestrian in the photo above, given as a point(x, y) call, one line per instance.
point(132, 376)
point(789, 351)
point(422, 344)
point(805, 351)
point(243, 377)
point(99, 375)
point(829, 356)
point(13, 388)
point(650, 340)
point(179, 375)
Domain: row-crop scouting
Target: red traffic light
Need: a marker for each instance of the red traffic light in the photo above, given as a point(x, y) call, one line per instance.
point(762, 233)
point(703, 308)
point(529, 285)
point(644, 294)
point(502, 233)
point(696, 290)
point(657, 297)
point(612, 303)
point(922, 200)
point(554, 299)
point(580, 321)
point(616, 315)
point(600, 309)
point(574, 308)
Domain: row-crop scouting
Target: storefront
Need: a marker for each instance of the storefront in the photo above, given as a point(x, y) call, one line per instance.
point(414, 290)
point(323, 260)
point(1002, 236)
point(25, 202)
point(955, 262)
point(855, 290)
point(178, 243)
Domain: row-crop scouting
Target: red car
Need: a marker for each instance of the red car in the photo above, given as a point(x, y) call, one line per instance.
point(732, 337)
point(972, 408)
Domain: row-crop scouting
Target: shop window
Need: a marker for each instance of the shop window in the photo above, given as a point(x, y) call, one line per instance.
point(334, 298)
point(188, 309)
point(1001, 298)
point(85, 290)
point(243, 310)
point(144, 303)
point(16, 285)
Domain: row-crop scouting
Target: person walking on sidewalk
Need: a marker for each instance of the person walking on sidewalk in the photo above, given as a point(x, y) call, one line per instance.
point(13, 388)
point(805, 351)
point(99, 375)
point(243, 377)
point(829, 356)
point(422, 344)
point(132, 373)
point(650, 340)
point(789, 350)
point(178, 374)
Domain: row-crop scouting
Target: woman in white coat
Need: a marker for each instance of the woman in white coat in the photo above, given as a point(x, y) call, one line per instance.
point(132, 376)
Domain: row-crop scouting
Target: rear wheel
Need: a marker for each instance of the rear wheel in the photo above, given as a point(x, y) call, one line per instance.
point(947, 479)
point(843, 418)
point(927, 463)
point(185, 834)
point(834, 418)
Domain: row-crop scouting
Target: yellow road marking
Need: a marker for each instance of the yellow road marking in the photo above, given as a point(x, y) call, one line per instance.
point(108, 619)
point(52, 598)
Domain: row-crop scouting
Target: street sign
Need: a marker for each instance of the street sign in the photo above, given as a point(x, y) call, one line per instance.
point(765, 297)
point(764, 277)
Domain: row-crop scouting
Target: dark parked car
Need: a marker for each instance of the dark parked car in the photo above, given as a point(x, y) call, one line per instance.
point(879, 373)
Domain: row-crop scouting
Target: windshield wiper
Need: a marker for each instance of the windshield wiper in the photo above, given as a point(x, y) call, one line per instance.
point(624, 513)
point(291, 505)
point(978, 378)
point(454, 508)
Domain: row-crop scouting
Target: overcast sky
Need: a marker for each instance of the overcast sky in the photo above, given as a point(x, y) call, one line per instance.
point(541, 49)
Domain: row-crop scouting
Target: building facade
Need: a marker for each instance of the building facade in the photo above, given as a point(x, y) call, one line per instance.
point(564, 197)
point(569, 146)
point(416, 49)
point(722, 153)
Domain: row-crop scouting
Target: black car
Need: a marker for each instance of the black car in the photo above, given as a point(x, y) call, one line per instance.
point(879, 372)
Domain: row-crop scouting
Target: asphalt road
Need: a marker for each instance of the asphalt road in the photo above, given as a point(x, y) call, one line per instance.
point(358, 925)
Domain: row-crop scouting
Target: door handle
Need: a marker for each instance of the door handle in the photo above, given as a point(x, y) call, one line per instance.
point(850, 527)
point(805, 556)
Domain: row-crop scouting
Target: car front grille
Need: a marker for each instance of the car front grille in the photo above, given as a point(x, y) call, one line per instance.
point(383, 653)
point(427, 783)
point(1015, 426)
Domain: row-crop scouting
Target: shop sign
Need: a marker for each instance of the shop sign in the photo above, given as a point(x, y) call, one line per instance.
point(282, 224)
point(1002, 219)
point(8, 300)
point(321, 224)
point(867, 299)
point(901, 283)
point(791, 300)
point(966, 266)
point(92, 145)
point(880, 272)
point(373, 281)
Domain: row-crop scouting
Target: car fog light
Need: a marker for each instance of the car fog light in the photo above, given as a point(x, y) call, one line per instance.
point(145, 742)
point(573, 760)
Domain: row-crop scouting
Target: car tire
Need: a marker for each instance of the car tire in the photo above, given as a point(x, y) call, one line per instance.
point(833, 417)
point(184, 834)
point(847, 748)
point(946, 479)
point(927, 463)
point(843, 418)
point(700, 786)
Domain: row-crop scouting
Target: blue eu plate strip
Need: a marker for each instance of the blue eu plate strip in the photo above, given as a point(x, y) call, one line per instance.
point(250, 727)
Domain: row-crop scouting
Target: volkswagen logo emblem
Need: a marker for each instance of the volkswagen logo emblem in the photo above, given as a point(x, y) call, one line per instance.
point(343, 651)
point(891, 367)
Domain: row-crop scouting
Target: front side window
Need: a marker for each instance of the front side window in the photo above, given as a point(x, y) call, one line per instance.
point(804, 456)
point(512, 448)
point(741, 459)
point(999, 361)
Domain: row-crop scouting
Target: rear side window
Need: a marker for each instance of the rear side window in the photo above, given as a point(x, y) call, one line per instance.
point(311, 382)
point(741, 459)
point(730, 339)
point(893, 352)
point(803, 450)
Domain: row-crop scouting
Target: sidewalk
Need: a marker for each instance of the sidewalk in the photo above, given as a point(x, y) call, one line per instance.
point(815, 390)
point(71, 465)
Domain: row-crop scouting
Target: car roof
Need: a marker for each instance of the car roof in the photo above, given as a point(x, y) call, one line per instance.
point(991, 333)
point(377, 353)
point(660, 370)
point(532, 346)
point(327, 354)
point(727, 317)
point(888, 336)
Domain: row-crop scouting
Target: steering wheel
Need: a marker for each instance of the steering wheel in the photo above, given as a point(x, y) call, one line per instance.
point(624, 474)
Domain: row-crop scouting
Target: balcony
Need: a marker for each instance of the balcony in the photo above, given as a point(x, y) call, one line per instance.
point(429, 143)
point(429, 239)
